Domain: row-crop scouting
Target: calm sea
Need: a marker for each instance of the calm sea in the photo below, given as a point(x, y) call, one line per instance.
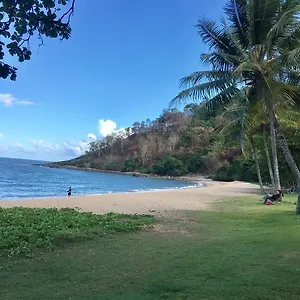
point(20, 179)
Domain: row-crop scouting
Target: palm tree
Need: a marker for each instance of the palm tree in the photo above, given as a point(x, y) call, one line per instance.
point(254, 48)
point(255, 158)
point(266, 146)
point(252, 120)
point(245, 120)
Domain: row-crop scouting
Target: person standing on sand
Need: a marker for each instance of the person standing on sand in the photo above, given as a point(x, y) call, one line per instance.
point(69, 192)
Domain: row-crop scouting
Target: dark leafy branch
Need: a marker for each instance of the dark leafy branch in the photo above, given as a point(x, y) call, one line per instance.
point(20, 21)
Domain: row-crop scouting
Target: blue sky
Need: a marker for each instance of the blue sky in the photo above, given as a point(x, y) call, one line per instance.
point(123, 63)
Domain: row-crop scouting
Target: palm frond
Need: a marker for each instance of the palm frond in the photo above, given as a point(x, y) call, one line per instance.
point(290, 40)
point(236, 10)
point(281, 95)
point(232, 126)
point(196, 77)
point(289, 76)
point(287, 22)
point(290, 118)
point(261, 15)
point(247, 66)
point(221, 61)
point(223, 98)
point(289, 59)
point(251, 20)
point(240, 45)
point(292, 115)
point(292, 77)
point(243, 133)
point(215, 37)
point(204, 90)
point(240, 121)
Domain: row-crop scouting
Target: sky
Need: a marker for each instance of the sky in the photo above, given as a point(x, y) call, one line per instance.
point(122, 64)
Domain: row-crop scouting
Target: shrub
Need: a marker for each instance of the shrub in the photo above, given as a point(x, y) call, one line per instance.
point(146, 170)
point(211, 163)
point(193, 161)
point(240, 169)
point(130, 165)
point(22, 230)
point(224, 173)
point(244, 170)
point(169, 166)
point(114, 166)
point(96, 165)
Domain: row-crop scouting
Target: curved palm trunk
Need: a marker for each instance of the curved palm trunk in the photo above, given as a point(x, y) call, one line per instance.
point(288, 157)
point(268, 156)
point(255, 158)
point(274, 153)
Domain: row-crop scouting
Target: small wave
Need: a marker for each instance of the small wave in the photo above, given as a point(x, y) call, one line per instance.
point(197, 185)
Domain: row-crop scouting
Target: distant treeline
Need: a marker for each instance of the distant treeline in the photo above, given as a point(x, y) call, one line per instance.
point(177, 143)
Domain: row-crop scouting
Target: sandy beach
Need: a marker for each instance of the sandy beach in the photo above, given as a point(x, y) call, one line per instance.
point(154, 202)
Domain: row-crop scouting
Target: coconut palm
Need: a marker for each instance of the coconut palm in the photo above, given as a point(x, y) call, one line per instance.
point(270, 167)
point(244, 121)
point(256, 47)
point(250, 120)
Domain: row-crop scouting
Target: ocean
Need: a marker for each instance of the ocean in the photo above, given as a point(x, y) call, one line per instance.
point(22, 179)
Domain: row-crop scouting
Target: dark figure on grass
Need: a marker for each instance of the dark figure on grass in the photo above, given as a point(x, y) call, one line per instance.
point(270, 198)
point(69, 191)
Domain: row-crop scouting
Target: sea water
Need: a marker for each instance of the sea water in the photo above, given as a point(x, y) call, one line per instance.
point(21, 179)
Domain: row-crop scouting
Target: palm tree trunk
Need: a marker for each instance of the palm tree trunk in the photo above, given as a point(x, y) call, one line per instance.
point(255, 158)
point(274, 152)
point(288, 157)
point(268, 156)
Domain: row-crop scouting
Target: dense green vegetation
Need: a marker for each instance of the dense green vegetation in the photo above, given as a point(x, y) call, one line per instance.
point(192, 141)
point(252, 68)
point(24, 230)
point(239, 250)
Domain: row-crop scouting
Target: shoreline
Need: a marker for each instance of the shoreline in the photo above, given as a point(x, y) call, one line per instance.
point(186, 178)
point(156, 202)
point(197, 185)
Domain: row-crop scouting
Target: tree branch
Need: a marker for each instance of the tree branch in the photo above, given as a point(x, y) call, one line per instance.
point(69, 12)
point(7, 24)
point(40, 37)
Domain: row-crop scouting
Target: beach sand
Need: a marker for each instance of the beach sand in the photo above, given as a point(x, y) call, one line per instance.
point(148, 202)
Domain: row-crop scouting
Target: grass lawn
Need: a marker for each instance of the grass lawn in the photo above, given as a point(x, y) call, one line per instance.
point(240, 249)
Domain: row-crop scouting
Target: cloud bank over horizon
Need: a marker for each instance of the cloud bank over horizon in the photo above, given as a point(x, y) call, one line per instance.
point(41, 149)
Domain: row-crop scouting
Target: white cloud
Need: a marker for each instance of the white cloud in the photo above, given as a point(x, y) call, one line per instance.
point(121, 133)
point(21, 148)
point(106, 127)
point(1, 135)
point(9, 100)
point(68, 150)
point(43, 150)
point(24, 102)
point(92, 137)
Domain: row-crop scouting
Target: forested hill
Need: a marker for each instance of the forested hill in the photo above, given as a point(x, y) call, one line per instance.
point(176, 143)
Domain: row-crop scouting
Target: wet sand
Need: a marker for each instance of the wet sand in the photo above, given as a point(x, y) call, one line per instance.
point(153, 202)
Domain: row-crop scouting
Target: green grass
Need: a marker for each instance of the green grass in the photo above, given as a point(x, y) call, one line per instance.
point(239, 250)
point(24, 230)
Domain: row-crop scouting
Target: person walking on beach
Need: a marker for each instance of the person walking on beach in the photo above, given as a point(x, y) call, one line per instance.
point(69, 191)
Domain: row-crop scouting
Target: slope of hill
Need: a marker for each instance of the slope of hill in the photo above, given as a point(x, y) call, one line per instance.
point(174, 144)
